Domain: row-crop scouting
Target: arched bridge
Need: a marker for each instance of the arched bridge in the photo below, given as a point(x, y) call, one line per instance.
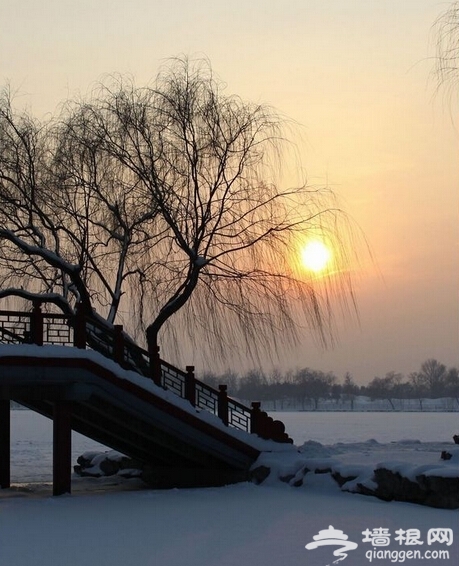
point(109, 389)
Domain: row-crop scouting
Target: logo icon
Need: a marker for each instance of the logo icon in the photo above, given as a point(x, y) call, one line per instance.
point(333, 537)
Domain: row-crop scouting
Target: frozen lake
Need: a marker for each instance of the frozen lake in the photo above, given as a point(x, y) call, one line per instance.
point(31, 434)
point(332, 427)
point(238, 524)
point(31, 441)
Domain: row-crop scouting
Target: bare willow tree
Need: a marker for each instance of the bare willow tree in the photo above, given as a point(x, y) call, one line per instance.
point(32, 262)
point(446, 30)
point(111, 220)
point(166, 199)
point(69, 227)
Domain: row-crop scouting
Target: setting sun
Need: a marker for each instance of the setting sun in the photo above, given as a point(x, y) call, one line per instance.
point(315, 256)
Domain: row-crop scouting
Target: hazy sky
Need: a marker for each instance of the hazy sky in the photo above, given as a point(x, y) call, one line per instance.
point(355, 75)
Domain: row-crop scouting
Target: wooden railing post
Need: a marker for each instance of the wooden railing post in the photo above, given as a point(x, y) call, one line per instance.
point(36, 324)
point(79, 330)
point(118, 344)
point(223, 404)
point(155, 364)
point(255, 418)
point(190, 385)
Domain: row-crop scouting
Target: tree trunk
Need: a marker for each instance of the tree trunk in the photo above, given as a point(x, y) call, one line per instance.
point(175, 303)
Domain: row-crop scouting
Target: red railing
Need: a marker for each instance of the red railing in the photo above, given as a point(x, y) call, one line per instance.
point(81, 331)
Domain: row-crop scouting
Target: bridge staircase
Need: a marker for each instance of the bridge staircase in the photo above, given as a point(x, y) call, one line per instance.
point(95, 380)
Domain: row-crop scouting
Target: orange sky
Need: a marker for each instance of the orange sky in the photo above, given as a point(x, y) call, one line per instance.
point(354, 74)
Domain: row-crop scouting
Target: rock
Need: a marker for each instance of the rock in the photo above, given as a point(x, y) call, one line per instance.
point(341, 480)
point(109, 467)
point(259, 474)
point(442, 492)
point(434, 491)
point(392, 485)
point(85, 459)
point(323, 470)
point(287, 478)
point(296, 479)
point(99, 464)
point(90, 472)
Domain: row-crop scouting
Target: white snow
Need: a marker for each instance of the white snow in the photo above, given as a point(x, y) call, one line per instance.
point(200, 261)
point(114, 522)
point(117, 522)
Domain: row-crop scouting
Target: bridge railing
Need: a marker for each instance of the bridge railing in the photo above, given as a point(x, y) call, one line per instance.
point(14, 327)
point(38, 327)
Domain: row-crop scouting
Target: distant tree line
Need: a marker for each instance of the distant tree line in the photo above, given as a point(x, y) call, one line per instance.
point(307, 388)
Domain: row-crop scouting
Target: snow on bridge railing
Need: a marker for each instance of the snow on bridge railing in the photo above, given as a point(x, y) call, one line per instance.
point(203, 396)
point(81, 331)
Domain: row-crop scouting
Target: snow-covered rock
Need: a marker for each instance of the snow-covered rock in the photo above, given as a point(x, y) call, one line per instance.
point(109, 463)
point(435, 484)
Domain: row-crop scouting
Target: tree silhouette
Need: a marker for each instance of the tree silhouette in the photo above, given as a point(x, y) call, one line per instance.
point(385, 387)
point(147, 203)
point(433, 375)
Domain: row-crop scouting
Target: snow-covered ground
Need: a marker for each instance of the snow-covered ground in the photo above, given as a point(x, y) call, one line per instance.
point(113, 522)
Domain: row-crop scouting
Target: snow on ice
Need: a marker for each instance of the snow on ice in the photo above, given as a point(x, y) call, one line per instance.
point(117, 522)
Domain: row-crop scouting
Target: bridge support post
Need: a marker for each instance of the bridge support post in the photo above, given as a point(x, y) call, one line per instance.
point(5, 433)
point(62, 447)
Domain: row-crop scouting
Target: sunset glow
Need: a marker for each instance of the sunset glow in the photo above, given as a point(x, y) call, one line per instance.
point(315, 256)
point(366, 120)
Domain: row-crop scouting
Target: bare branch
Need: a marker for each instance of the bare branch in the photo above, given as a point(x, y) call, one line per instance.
point(162, 207)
